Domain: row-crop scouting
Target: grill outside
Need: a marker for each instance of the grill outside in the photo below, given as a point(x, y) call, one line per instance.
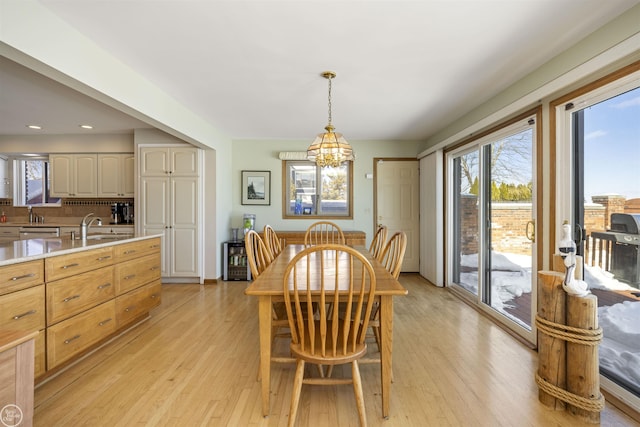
point(625, 251)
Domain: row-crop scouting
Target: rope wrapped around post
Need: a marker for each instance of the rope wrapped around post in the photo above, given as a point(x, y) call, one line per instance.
point(568, 339)
point(589, 337)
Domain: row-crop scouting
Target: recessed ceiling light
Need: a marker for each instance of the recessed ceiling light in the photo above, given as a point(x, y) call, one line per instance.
point(36, 127)
point(86, 126)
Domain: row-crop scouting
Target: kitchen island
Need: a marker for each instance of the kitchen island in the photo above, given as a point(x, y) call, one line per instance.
point(77, 293)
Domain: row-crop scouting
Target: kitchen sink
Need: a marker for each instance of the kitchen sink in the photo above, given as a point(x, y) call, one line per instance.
point(115, 236)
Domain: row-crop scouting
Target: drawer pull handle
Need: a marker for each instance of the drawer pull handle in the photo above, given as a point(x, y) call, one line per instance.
point(131, 276)
point(155, 267)
point(102, 258)
point(106, 285)
point(24, 276)
point(71, 339)
point(131, 251)
point(104, 322)
point(154, 296)
point(155, 246)
point(75, 264)
point(67, 299)
point(20, 316)
point(128, 309)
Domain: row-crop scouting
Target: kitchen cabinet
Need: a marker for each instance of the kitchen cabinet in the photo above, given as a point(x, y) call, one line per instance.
point(138, 283)
point(116, 175)
point(172, 160)
point(17, 372)
point(169, 203)
point(79, 298)
point(76, 334)
point(74, 175)
point(22, 303)
point(9, 234)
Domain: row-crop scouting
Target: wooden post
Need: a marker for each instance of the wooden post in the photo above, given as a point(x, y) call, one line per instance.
point(583, 376)
point(558, 265)
point(551, 350)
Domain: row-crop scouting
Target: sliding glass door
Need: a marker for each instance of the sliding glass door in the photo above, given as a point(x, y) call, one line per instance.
point(603, 127)
point(491, 229)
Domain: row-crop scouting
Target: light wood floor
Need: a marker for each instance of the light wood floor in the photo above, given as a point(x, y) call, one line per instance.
point(194, 363)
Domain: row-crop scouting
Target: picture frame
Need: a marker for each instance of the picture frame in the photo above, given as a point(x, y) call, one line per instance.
point(256, 187)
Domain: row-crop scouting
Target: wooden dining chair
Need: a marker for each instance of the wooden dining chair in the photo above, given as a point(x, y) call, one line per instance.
point(323, 232)
point(379, 241)
point(391, 257)
point(259, 258)
point(272, 241)
point(326, 339)
point(258, 255)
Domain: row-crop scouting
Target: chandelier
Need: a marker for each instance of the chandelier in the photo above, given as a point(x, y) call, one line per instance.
point(330, 148)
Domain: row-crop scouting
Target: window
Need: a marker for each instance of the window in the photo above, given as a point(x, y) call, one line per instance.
point(32, 182)
point(309, 190)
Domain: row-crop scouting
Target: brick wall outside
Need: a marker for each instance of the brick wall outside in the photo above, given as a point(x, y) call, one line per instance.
point(509, 226)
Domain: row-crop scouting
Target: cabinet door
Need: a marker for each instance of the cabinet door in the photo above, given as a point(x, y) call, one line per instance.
point(74, 175)
point(86, 175)
point(184, 161)
point(116, 175)
point(184, 226)
point(109, 175)
point(128, 175)
point(154, 197)
point(154, 161)
point(61, 175)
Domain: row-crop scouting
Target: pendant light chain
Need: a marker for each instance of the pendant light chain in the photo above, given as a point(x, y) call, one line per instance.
point(329, 99)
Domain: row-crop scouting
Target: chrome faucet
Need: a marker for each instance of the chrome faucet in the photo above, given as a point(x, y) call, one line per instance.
point(30, 212)
point(84, 225)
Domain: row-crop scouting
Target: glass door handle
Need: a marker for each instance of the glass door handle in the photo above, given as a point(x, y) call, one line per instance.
point(531, 231)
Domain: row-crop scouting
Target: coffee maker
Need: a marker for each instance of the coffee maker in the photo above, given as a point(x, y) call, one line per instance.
point(121, 213)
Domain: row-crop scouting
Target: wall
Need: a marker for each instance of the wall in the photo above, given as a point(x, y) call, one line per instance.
point(263, 155)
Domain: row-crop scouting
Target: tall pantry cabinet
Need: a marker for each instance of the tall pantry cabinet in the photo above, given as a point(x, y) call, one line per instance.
point(170, 204)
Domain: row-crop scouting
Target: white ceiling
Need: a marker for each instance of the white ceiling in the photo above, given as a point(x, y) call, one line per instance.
point(405, 69)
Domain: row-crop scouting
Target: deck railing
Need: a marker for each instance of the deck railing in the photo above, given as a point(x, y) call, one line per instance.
point(598, 250)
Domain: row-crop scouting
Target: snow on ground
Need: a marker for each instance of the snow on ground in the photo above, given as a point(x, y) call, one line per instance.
point(620, 347)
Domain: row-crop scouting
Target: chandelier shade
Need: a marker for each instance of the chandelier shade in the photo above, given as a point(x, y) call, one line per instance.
point(330, 148)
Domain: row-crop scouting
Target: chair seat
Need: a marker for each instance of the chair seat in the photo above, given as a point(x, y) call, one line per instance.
point(329, 358)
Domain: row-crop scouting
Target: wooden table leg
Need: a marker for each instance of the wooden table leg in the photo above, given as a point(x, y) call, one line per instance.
point(264, 313)
point(386, 332)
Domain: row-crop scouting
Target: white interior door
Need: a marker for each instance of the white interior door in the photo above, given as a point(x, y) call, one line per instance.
point(398, 204)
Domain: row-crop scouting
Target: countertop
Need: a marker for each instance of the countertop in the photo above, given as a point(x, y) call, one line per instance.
point(60, 223)
point(32, 249)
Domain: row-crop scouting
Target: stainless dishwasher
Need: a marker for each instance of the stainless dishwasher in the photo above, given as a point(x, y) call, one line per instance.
point(38, 232)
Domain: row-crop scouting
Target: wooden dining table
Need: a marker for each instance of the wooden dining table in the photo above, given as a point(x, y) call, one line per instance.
point(269, 288)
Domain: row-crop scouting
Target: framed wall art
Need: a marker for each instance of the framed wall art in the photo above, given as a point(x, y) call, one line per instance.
point(256, 187)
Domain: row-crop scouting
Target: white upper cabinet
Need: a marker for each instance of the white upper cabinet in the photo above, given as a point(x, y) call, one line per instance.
point(116, 175)
point(74, 175)
point(173, 161)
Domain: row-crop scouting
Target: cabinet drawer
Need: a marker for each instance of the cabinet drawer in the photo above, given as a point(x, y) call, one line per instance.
point(127, 251)
point(74, 294)
point(23, 275)
point(71, 336)
point(58, 267)
point(135, 273)
point(135, 303)
point(23, 310)
point(40, 366)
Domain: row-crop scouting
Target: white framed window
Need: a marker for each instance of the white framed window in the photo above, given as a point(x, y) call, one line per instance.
point(32, 181)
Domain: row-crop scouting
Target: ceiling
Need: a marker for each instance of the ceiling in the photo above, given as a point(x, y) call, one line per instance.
point(405, 69)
